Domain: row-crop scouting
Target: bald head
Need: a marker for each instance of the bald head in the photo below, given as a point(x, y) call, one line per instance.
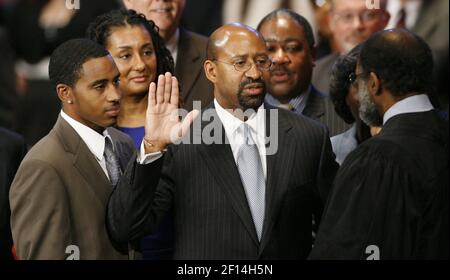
point(221, 38)
point(401, 59)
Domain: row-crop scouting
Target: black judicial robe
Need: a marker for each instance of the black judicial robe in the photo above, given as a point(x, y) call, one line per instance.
point(390, 199)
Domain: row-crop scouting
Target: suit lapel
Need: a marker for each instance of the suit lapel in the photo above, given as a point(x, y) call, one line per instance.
point(314, 105)
point(187, 69)
point(279, 166)
point(228, 178)
point(84, 161)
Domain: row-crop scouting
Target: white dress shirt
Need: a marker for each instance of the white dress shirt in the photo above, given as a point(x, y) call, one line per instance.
point(94, 140)
point(412, 9)
point(413, 104)
point(235, 136)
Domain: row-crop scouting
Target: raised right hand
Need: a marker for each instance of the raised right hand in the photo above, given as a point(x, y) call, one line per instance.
point(162, 118)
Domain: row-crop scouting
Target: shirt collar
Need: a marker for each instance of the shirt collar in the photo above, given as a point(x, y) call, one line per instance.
point(412, 104)
point(298, 103)
point(230, 123)
point(94, 140)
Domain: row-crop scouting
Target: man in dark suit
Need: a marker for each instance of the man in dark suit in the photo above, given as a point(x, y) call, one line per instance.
point(12, 151)
point(291, 46)
point(60, 193)
point(351, 23)
point(187, 48)
point(234, 195)
point(390, 199)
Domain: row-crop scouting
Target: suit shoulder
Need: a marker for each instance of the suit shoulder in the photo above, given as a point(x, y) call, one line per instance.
point(119, 136)
point(49, 149)
point(195, 37)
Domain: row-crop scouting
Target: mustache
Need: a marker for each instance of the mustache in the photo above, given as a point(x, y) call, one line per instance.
point(257, 82)
point(280, 68)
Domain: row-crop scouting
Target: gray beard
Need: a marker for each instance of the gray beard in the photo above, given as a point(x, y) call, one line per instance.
point(367, 109)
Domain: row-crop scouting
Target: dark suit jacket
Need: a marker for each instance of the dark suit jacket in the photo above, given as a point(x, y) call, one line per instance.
point(12, 150)
point(433, 26)
point(320, 107)
point(212, 217)
point(322, 72)
point(391, 192)
point(189, 70)
point(8, 93)
point(59, 197)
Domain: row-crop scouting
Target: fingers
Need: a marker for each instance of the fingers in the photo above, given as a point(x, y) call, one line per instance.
point(152, 94)
point(160, 90)
point(175, 94)
point(167, 87)
point(188, 121)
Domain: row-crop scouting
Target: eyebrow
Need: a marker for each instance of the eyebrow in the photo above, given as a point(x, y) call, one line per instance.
point(97, 82)
point(287, 40)
point(129, 47)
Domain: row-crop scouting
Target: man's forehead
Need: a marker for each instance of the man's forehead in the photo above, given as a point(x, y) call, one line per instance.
point(340, 5)
point(282, 30)
point(100, 67)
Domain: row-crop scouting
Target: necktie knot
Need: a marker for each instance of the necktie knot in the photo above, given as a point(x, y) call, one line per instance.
point(246, 132)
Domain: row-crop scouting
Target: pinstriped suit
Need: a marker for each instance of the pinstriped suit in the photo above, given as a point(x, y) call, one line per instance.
point(201, 183)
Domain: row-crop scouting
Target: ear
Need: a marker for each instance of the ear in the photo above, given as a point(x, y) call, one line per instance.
point(210, 71)
point(65, 93)
point(374, 84)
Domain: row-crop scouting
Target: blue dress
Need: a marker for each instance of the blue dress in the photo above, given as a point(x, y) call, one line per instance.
point(158, 246)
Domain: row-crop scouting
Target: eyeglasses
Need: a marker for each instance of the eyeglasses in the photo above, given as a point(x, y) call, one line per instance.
point(353, 78)
point(368, 16)
point(263, 64)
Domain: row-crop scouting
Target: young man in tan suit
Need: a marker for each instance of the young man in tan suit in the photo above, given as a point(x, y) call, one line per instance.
point(60, 193)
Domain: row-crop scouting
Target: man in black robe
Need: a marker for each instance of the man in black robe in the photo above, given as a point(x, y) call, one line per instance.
point(390, 199)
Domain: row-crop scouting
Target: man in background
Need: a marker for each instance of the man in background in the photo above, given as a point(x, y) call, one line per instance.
point(351, 23)
point(188, 49)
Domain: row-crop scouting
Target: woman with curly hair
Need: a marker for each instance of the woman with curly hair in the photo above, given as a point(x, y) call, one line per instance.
point(344, 96)
point(141, 56)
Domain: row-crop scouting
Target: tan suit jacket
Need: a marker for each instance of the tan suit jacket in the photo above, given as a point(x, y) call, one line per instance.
point(59, 197)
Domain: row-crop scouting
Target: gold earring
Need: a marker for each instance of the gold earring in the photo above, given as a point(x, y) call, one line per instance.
point(70, 101)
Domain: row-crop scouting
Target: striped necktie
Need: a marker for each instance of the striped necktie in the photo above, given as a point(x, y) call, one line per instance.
point(112, 162)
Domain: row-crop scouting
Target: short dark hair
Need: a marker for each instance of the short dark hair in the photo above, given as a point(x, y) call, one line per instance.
point(66, 62)
point(340, 84)
point(302, 21)
point(401, 59)
point(100, 29)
